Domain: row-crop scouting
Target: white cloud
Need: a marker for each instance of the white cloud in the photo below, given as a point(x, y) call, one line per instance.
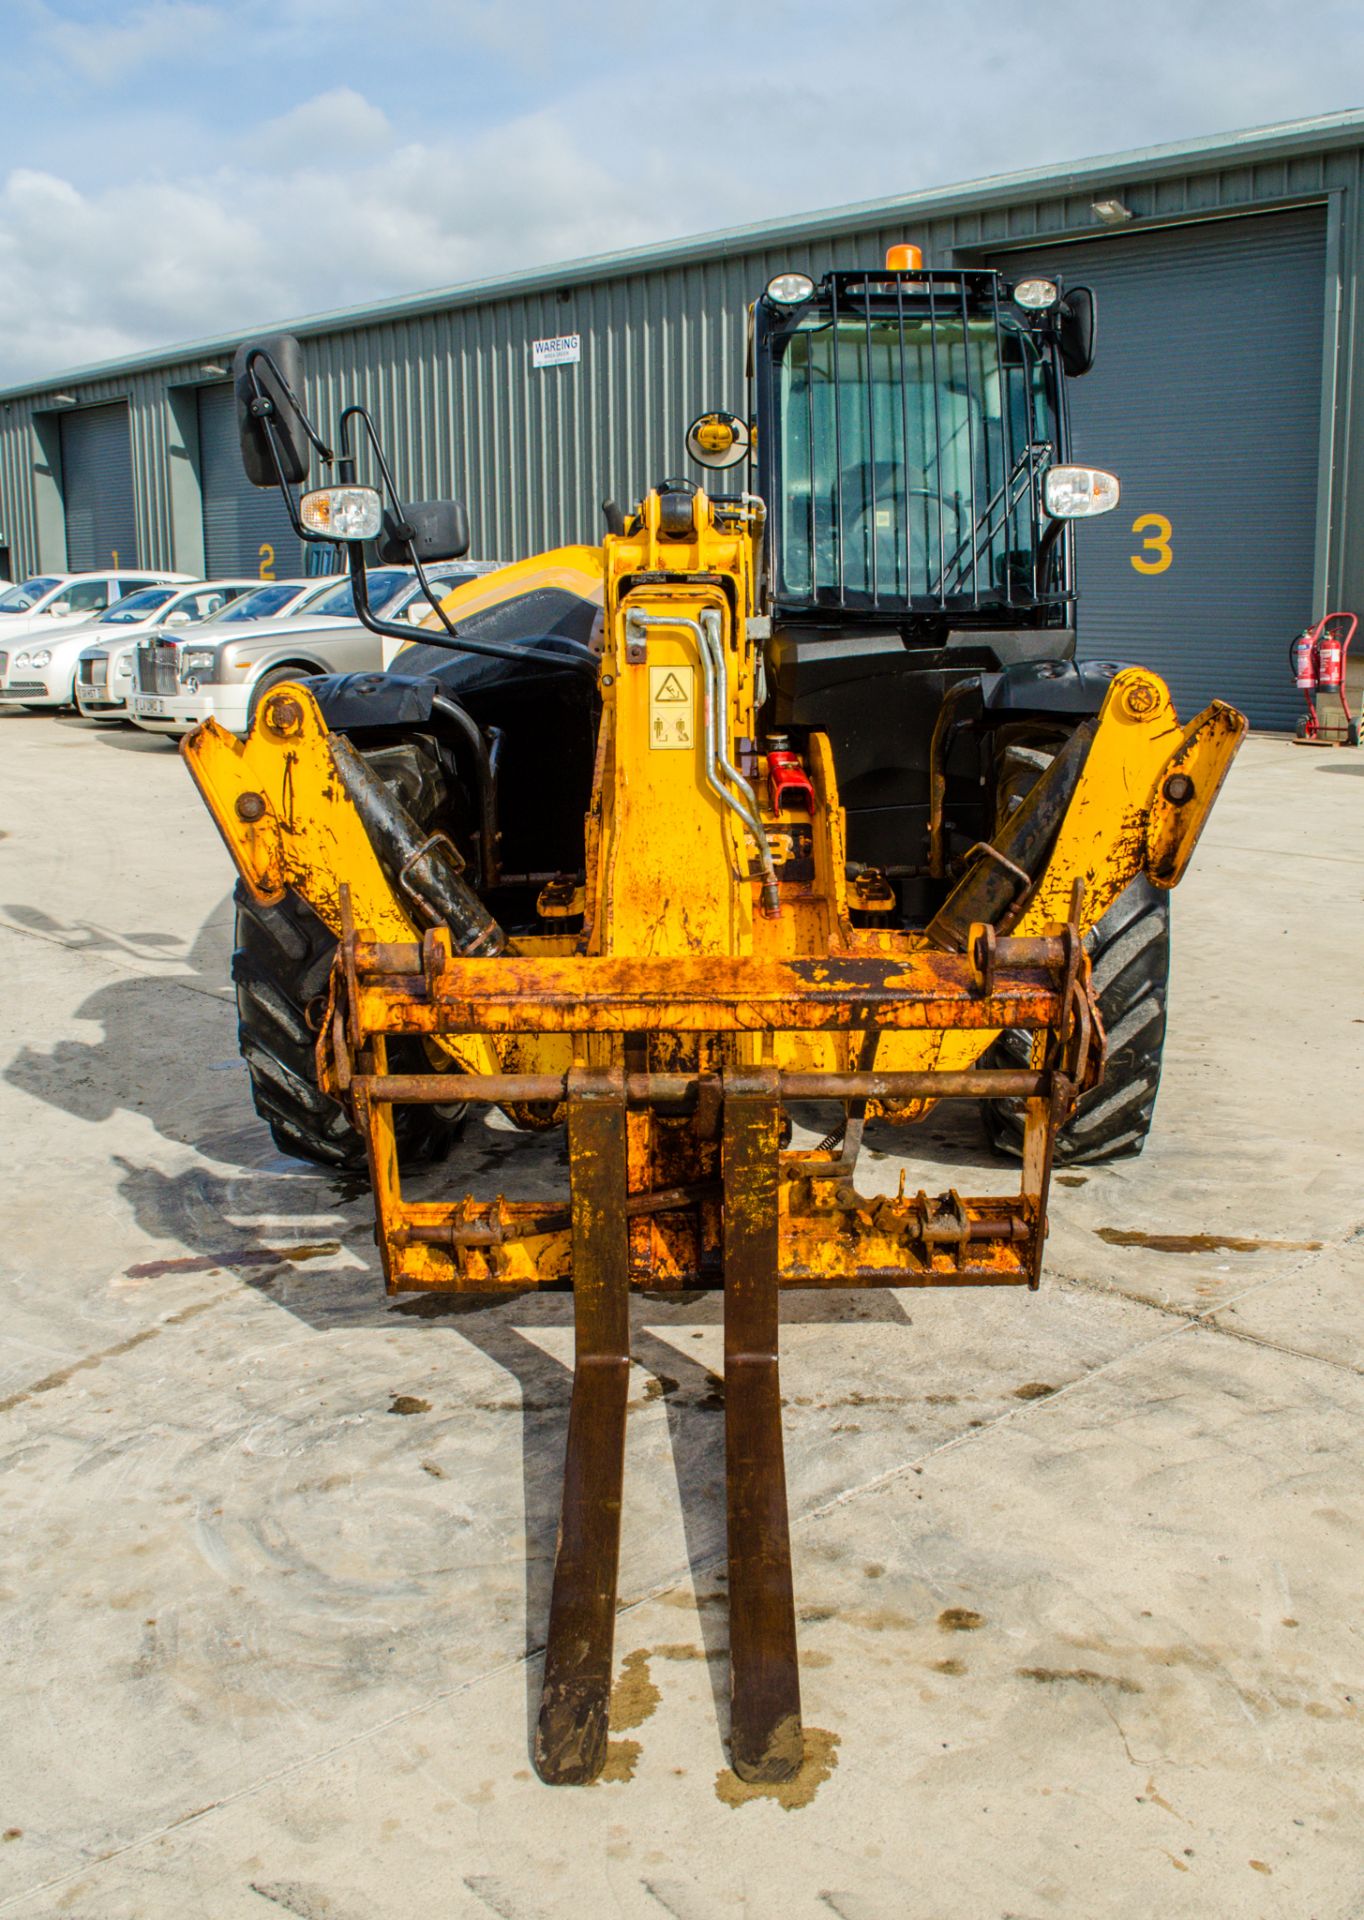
point(341, 123)
point(89, 275)
point(109, 52)
point(206, 205)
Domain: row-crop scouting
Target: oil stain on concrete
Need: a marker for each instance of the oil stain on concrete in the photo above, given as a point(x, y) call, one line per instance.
point(960, 1620)
point(1201, 1242)
point(634, 1696)
point(821, 1757)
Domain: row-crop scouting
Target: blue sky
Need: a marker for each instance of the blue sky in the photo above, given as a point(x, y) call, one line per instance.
point(181, 167)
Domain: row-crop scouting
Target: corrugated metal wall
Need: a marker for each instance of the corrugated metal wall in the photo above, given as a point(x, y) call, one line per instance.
point(97, 491)
point(246, 528)
point(1206, 400)
point(532, 453)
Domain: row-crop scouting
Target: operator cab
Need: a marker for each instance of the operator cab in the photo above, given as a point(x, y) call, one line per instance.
point(912, 451)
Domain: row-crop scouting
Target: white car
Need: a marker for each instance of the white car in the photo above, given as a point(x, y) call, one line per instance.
point(104, 667)
point(157, 663)
point(221, 673)
point(37, 654)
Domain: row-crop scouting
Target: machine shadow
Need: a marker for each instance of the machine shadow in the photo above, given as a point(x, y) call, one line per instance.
point(337, 1287)
point(167, 1044)
point(302, 1237)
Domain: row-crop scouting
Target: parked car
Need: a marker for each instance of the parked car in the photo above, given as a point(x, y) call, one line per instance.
point(225, 674)
point(104, 666)
point(37, 659)
point(274, 601)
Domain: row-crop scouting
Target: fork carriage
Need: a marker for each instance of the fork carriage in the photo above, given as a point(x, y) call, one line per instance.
point(735, 1211)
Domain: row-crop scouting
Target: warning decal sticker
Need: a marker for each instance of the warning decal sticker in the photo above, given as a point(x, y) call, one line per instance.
point(672, 707)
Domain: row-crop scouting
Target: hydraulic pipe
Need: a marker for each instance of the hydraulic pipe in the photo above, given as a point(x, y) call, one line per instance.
point(424, 867)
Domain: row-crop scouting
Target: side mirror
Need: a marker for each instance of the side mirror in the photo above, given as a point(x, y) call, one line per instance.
point(178, 619)
point(1079, 330)
point(439, 530)
point(58, 608)
point(255, 380)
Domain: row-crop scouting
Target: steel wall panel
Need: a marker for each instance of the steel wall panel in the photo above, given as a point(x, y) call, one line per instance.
point(1206, 401)
point(97, 487)
point(246, 528)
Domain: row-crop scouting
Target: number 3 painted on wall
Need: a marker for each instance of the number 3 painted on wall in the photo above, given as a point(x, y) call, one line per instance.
point(267, 561)
point(1156, 543)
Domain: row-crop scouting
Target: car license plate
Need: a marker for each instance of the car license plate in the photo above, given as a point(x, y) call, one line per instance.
point(147, 703)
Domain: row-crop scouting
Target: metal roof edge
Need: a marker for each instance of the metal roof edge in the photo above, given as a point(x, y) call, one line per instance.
point(1276, 140)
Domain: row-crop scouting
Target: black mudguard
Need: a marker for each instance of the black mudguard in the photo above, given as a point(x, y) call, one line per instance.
point(354, 701)
point(1069, 689)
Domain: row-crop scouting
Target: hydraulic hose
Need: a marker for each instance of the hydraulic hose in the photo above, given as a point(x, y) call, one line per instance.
point(738, 796)
point(425, 867)
point(1000, 877)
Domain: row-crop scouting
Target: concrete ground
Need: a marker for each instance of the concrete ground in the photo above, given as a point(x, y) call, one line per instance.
point(1079, 1573)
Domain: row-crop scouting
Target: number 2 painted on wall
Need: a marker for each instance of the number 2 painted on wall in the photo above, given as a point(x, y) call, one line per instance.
point(267, 561)
point(1156, 543)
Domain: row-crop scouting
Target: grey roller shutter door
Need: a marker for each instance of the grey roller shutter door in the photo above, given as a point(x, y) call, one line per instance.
point(246, 528)
point(1205, 400)
point(97, 489)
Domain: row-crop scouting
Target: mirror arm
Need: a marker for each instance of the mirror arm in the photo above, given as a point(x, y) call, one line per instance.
point(403, 531)
point(576, 655)
point(266, 411)
point(263, 407)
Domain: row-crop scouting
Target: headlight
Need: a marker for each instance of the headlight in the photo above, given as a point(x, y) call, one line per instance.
point(21, 660)
point(1075, 493)
point(42, 658)
point(1035, 294)
point(789, 289)
point(342, 513)
point(197, 662)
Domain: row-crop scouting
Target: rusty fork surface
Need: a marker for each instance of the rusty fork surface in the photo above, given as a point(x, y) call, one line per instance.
point(570, 1740)
point(766, 1740)
point(765, 1731)
point(653, 1209)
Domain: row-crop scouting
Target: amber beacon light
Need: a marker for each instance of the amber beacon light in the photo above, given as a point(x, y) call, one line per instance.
point(904, 258)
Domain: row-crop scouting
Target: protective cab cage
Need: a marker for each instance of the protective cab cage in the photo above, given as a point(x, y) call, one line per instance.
point(949, 343)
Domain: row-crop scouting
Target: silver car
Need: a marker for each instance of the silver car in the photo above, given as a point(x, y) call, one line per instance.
point(42, 629)
point(223, 674)
point(104, 668)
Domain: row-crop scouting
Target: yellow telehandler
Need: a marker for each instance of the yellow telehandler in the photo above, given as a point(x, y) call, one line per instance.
point(792, 793)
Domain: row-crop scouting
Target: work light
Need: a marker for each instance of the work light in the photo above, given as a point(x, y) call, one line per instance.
point(789, 289)
point(1036, 295)
point(1076, 493)
point(341, 513)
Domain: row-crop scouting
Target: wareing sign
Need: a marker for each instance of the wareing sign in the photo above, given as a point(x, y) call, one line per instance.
point(564, 350)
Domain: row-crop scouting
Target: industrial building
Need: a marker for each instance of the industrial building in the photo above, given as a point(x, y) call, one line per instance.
point(1231, 340)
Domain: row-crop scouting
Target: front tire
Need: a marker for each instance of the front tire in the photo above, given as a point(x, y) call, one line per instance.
point(281, 967)
point(1129, 949)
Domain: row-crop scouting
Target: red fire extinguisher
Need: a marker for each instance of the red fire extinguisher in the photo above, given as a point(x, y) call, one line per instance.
point(1330, 658)
point(1318, 657)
